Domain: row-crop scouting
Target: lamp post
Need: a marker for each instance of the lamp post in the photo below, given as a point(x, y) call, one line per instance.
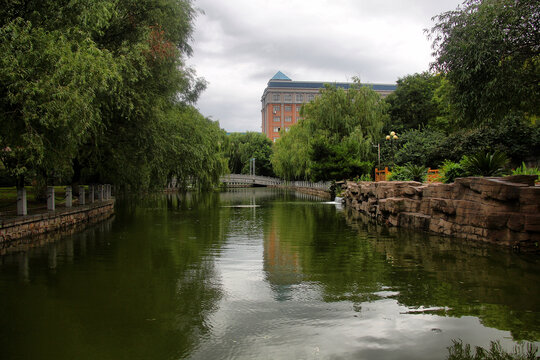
point(392, 137)
point(252, 166)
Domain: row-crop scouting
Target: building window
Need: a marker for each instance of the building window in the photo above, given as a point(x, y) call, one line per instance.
point(310, 97)
point(298, 107)
point(288, 108)
point(299, 97)
point(276, 129)
point(287, 97)
point(275, 108)
point(288, 118)
point(275, 97)
point(277, 119)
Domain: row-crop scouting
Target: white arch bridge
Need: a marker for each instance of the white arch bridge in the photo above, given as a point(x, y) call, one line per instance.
point(241, 180)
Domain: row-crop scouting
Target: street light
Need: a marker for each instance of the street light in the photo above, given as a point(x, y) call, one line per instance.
point(392, 137)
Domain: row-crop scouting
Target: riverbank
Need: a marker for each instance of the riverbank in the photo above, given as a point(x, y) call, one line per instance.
point(504, 211)
point(30, 225)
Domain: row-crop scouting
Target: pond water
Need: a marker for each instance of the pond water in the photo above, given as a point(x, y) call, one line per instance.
point(259, 274)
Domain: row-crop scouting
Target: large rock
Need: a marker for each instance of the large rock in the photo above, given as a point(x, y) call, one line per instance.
point(499, 210)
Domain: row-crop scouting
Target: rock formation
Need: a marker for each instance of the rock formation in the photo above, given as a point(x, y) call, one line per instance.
point(505, 210)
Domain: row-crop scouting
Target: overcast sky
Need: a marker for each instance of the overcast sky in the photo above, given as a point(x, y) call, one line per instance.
point(240, 44)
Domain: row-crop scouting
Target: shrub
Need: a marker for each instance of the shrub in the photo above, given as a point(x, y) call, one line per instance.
point(485, 164)
point(524, 170)
point(458, 351)
point(364, 177)
point(408, 172)
point(450, 171)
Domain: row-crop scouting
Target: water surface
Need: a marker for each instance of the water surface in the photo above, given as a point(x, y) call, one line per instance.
point(259, 274)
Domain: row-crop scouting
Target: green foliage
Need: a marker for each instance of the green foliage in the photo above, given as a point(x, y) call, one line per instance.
point(364, 177)
point(421, 147)
point(408, 172)
point(243, 147)
point(290, 156)
point(413, 104)
point(334, 141)
point(459, 351)
point(449, 171)
point(513, 135)
point(486, 51)
point(99, 91)
point(524, 170)
point(485, 164)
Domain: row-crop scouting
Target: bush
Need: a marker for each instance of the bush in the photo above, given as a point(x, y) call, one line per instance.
point(416, 147)
point(408, 172)
point(458, 351)
point(364, 177)
point(450, 170)
point(485, 164)
point(524, 170)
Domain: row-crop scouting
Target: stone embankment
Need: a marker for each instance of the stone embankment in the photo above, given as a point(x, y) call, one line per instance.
point(30, 225)
point(322, 193)
point(504, 211)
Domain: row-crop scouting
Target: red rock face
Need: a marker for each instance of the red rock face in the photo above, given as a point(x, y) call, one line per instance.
point(504, 211)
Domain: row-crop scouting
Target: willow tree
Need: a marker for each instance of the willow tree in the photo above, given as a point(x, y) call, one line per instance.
point(338, 132)
point(290, 155)
point(91, 90)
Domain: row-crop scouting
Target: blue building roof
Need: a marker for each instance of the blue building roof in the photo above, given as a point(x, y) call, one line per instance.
point(280, 76)
point(320, 85)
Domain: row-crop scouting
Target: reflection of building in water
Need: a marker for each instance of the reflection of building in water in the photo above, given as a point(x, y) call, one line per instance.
point(281, 264)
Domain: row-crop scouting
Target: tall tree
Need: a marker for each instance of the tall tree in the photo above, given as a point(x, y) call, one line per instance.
point(413, 104)
point(490, 52)
point(251, 145)
point(340, 130)
point(91, 90)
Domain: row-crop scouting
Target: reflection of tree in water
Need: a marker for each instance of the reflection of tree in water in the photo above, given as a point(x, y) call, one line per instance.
point(467, 278)
point(315, 244)
point(142, 288)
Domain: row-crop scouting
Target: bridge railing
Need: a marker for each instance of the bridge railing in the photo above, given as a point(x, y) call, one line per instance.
point(241, 179)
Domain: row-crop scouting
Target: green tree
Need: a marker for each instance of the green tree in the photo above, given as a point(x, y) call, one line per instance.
point(243, 147)
point(98, 90)
point(338, 131)
point(413, 104)
point(290, 154)
point(489, 51)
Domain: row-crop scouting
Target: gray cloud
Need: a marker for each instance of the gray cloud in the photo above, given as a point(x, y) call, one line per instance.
point(239, 44)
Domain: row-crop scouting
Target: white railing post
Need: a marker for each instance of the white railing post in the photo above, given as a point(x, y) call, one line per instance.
point(50, 198)
point(82, 200)
point(22, 208)
point(69, 196)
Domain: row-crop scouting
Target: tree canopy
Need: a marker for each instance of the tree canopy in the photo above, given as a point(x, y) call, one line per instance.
point(243, 147)
point(414, 104)
point(99, 90)
point(489, 50)
point(338, 132)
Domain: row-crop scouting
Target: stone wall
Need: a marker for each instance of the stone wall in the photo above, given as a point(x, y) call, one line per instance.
point(325, 194)
point(505, 211)
point(30, 225)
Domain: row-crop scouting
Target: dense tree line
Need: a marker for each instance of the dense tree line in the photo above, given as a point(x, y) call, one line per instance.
point(335, 138)
point(251, 145)
point(480, 96)
point(483, 96)
point(99, 91)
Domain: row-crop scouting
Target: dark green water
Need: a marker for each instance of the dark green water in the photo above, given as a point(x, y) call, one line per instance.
point(199, 277)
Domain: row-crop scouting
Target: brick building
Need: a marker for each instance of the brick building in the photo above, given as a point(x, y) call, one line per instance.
point(282, 99)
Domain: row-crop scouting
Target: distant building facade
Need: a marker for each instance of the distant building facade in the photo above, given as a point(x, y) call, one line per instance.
point(282, 99)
